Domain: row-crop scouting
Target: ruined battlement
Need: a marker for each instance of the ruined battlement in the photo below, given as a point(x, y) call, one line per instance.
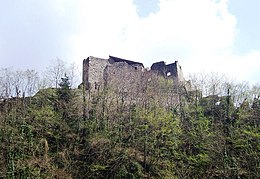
point(172, 70)
point(124, 74)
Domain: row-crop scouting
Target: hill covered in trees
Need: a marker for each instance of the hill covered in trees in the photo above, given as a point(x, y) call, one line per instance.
point(66, 133)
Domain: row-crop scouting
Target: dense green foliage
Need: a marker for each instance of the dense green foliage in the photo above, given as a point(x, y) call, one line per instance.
point(50, 135)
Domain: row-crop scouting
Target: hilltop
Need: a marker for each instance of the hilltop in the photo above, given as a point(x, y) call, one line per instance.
point(68, 133)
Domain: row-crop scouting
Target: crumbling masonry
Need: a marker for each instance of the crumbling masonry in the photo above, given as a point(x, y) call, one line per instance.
point(123, 75)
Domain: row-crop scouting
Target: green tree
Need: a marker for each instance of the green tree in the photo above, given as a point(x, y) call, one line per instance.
point(64, 92)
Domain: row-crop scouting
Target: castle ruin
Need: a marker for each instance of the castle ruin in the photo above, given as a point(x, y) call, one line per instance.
point(125, 74)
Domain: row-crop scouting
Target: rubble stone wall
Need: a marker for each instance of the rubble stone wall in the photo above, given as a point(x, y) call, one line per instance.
point(124, 75)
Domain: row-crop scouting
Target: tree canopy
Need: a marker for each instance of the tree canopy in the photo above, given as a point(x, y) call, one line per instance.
point(69, 133)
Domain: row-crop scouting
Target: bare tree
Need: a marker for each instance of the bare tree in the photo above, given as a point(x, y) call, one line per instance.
point(199, 81)
point(73, 74)
point(31, 80)
point(43, 83)
point(18, 82)
point(55, 71)
point(6, 83)
point(210, 84)
point(255, 90)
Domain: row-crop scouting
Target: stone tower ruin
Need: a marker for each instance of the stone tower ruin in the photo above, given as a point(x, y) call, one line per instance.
point(172, 70)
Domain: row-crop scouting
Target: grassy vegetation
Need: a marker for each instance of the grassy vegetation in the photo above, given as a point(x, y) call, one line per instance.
point(50, 135)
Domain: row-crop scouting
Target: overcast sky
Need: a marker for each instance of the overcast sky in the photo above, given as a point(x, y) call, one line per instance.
point(203, 35)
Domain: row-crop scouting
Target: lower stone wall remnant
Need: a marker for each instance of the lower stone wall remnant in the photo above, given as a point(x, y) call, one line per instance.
point(132, 82)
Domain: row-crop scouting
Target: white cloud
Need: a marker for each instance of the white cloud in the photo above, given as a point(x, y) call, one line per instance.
point(200, 34)
point(245, 67)
point(101, 26)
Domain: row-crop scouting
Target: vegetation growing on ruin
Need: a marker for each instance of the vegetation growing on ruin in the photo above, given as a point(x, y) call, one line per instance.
point(65, 133)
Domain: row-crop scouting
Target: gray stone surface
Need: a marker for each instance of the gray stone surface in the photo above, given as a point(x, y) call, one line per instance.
point(127, 76)
point(172, 70)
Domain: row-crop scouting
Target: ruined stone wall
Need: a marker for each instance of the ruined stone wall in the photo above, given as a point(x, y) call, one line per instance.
point(127, 83)
point(137, 86)
point(93, 72)
point(172, 70)
point(85, 73)
point(179, 72)
point(122, 77)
